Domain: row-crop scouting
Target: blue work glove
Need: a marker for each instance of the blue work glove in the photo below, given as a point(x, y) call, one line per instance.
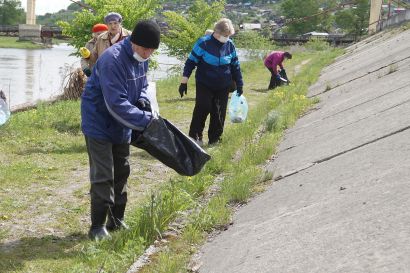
point(239, 91)
point(87, 72)
point(183, 88)
point(144, 105)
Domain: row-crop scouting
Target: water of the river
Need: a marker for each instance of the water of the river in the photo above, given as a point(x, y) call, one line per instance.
point(30, 75)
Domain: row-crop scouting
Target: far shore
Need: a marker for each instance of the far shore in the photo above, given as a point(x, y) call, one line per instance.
point(12, 42)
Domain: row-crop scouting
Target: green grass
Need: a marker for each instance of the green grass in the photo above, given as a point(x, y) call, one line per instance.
point(12, 42)
point(392, 68)
point(259, 137)
point(44, 179)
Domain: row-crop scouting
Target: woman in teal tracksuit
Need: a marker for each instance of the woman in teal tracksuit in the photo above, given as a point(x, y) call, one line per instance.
point(217, 65)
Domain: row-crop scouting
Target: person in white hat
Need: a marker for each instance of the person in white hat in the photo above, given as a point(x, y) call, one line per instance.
point(115, 34)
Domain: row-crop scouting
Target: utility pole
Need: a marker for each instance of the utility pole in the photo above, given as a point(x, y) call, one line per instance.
point(375, 12)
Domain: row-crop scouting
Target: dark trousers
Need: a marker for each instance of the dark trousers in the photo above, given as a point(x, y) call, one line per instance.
point(274, 82)
point(109, 171)
point(209, 102)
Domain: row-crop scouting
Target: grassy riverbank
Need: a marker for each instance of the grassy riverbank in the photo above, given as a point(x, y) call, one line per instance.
point(44, 202)
point(12, 42)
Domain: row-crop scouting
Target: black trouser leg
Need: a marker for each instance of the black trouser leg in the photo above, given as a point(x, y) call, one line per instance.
point(272, 83)
point(102, 185)
point(99, 210)
point(217, 117)
point(203, 106)
point(121, 154)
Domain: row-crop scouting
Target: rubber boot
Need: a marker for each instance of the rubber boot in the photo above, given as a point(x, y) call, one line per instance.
point(116, 218)
point(98, 216)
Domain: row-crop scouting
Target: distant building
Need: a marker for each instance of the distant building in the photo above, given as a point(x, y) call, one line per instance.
point(316, 34)
point(399, 10)
point(248, 26)
point(272, 24)
point(230, 7)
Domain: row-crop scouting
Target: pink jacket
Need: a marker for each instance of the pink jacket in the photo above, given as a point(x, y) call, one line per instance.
point(274, 59)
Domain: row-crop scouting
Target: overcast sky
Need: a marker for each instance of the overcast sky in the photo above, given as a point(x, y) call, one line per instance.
point(50, 6)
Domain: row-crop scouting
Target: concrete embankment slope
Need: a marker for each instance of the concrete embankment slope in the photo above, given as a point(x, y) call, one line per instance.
point(341, 199)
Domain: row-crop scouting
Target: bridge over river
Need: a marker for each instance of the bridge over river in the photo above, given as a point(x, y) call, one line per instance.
point(46, 31)
point(334, 39)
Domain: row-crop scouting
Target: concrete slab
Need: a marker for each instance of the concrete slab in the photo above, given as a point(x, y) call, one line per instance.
point(349, 214)
point(340, 133)
point(341, 200)
point(359, 63)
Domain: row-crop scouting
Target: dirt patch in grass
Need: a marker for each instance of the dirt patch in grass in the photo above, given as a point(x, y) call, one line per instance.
point(299, 66)
point(62, 208)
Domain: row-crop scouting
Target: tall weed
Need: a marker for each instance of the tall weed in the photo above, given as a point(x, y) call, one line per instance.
point(317, 44)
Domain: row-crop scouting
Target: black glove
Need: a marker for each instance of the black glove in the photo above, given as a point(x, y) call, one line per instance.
point(239, 91)
point(183, 88)
point(87, 72)
point(144, 105)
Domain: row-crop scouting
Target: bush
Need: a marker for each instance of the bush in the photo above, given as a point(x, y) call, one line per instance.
point(317, 44)
point(252, 40)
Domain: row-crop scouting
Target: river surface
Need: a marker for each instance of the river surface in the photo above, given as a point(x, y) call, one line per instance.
point(31, 75)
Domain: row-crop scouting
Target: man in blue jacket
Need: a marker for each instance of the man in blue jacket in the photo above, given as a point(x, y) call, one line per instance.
point(217, 65)
point(113, 104)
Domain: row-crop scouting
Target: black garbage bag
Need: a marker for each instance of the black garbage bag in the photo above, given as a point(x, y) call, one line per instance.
point(283, 75)
point(168, 144)
point(274, 82)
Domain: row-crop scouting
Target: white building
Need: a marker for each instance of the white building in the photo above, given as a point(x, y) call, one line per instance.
point(248, 26)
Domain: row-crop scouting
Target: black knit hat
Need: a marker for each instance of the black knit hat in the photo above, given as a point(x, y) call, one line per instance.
point(147, 34)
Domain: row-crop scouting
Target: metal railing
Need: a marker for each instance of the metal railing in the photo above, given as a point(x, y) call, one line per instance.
point(331, 38)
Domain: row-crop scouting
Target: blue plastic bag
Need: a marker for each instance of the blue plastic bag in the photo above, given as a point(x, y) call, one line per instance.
point(238, 108)
point(4, 112)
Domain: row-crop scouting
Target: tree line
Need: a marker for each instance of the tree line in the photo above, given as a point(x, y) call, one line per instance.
point(347, 16)
point(184, 28)
point(11, 12)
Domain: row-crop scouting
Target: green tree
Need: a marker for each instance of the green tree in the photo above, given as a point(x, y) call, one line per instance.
point(11, 12)
point(301, 15)
point(345, 20)
point(354, 21)
point(51, 19)
point(75, 6)
point(79, 29)
point(184, 30)
point(253, 41)
point(326, 18)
